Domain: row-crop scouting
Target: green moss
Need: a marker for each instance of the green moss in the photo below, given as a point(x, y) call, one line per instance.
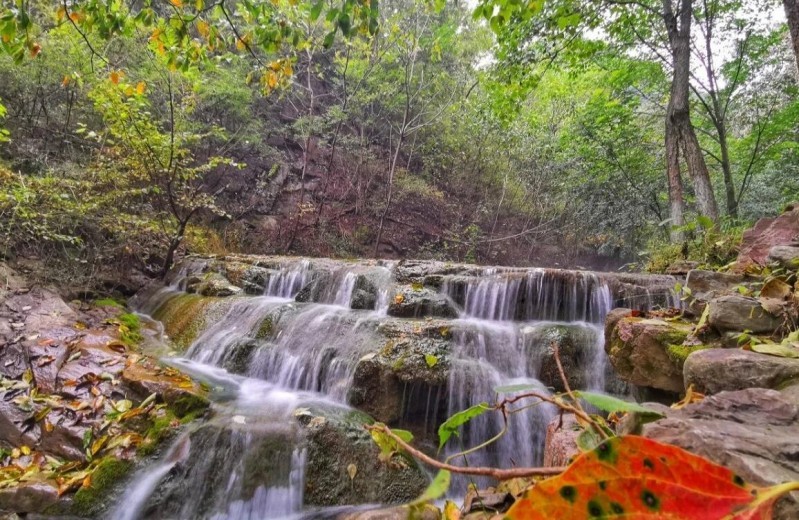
point(91, 500)
point(265, 329)
point(130, 334)
point(108, 302)
point(678, 353)
point(188, 403)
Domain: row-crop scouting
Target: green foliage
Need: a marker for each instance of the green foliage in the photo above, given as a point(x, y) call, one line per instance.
point(610, 404)
point(714, 248)
point(453, 424)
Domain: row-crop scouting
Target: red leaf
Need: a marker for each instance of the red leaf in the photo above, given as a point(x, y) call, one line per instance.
point(638, 478)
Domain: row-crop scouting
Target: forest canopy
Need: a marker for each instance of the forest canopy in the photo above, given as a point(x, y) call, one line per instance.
point(557, 132)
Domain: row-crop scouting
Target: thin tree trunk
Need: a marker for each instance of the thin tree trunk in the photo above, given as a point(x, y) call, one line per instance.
point(729, 184)
point(792, 14)
point(173, 247)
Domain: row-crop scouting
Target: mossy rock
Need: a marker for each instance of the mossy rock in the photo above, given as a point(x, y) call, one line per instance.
point(92, 500)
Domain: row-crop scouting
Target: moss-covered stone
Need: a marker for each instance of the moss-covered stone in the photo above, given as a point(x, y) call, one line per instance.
point(678, 353)
point(265, 329)
point(89, 501)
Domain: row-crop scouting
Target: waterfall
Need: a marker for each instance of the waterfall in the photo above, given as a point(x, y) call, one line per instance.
point(303, 338)
point(288, 281)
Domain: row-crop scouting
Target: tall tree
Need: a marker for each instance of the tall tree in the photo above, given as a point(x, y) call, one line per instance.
point(792, 14)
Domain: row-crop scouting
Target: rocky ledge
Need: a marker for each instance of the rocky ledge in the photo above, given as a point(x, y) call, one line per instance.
point(78, 403)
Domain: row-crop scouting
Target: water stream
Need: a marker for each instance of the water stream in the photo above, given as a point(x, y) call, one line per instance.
point(290, 354)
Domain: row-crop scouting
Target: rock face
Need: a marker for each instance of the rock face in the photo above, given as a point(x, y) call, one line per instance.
point(741, 313)
point(717, 370)
point(753, 432)
point(561, 441)
point(639, 350)
point(767, 233)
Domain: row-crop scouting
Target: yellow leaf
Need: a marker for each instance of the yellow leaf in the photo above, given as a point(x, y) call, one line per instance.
point(451, 511)
point(61, 13)
point(155, 35)
point(129, 91)
point(352, 470)
point(140, 86)
point(203, 28)
point(66, 81)
point(271, 79)
point(240, 44)
point(25, 450)
point(115, 77)
point(177, 3)
point(399, 298)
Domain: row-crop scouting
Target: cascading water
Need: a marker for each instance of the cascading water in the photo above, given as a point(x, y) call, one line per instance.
point(289, 353)
point(499, 342)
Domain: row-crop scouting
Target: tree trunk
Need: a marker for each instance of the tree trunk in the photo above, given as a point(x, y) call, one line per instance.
point(173, 247)
point(676, 201)
point(678, 115)
point(729, 184)
point(792, 14)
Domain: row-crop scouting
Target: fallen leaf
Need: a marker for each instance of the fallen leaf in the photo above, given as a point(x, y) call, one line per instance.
point(640, 478)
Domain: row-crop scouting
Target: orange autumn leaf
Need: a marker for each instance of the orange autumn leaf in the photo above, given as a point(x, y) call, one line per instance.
point(638, 478)
point(115, 75)
point(140, 86)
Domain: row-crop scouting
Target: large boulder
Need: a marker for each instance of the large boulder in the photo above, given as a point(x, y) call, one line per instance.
point(420, 302)
point(212, 284)
point(786, 256)
point(717, 370)
point(754, 432)
point(767, 233)
point(344, 466)
point(646, 352)
point(740, 313)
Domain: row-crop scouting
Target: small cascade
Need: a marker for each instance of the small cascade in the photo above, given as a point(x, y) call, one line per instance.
point(246, 463)
point(288, 281)
point(316, 349)
point(487, 355)
point(339, 290)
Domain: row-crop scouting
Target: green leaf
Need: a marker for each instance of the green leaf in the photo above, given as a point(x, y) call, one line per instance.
point(388, 445)
point(608, 403)
point(316, 10)
point(437, 488)
point(780, 350)
point(451, 426)
point(431, 360)
point(569, 21)
point(328, 42)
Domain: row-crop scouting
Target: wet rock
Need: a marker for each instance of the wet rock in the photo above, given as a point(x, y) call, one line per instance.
point(754, 432)
point(16, 425)
point(486, 501)
point(786, 256)
point(29, 497)
point(717, 370)
point(561, 440)
point(213, 284)
point(91, 362)
point(740, 313)
point(200, 486)
point(183, 395)
point(66, 437)
point(376, 390)
point(758, 241)
point(364, 294)
point(420, 302)
point(336, 441)
point(252, 278)
point(642, 352)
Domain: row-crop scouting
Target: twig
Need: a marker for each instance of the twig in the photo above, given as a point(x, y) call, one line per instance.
point(499, 474)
